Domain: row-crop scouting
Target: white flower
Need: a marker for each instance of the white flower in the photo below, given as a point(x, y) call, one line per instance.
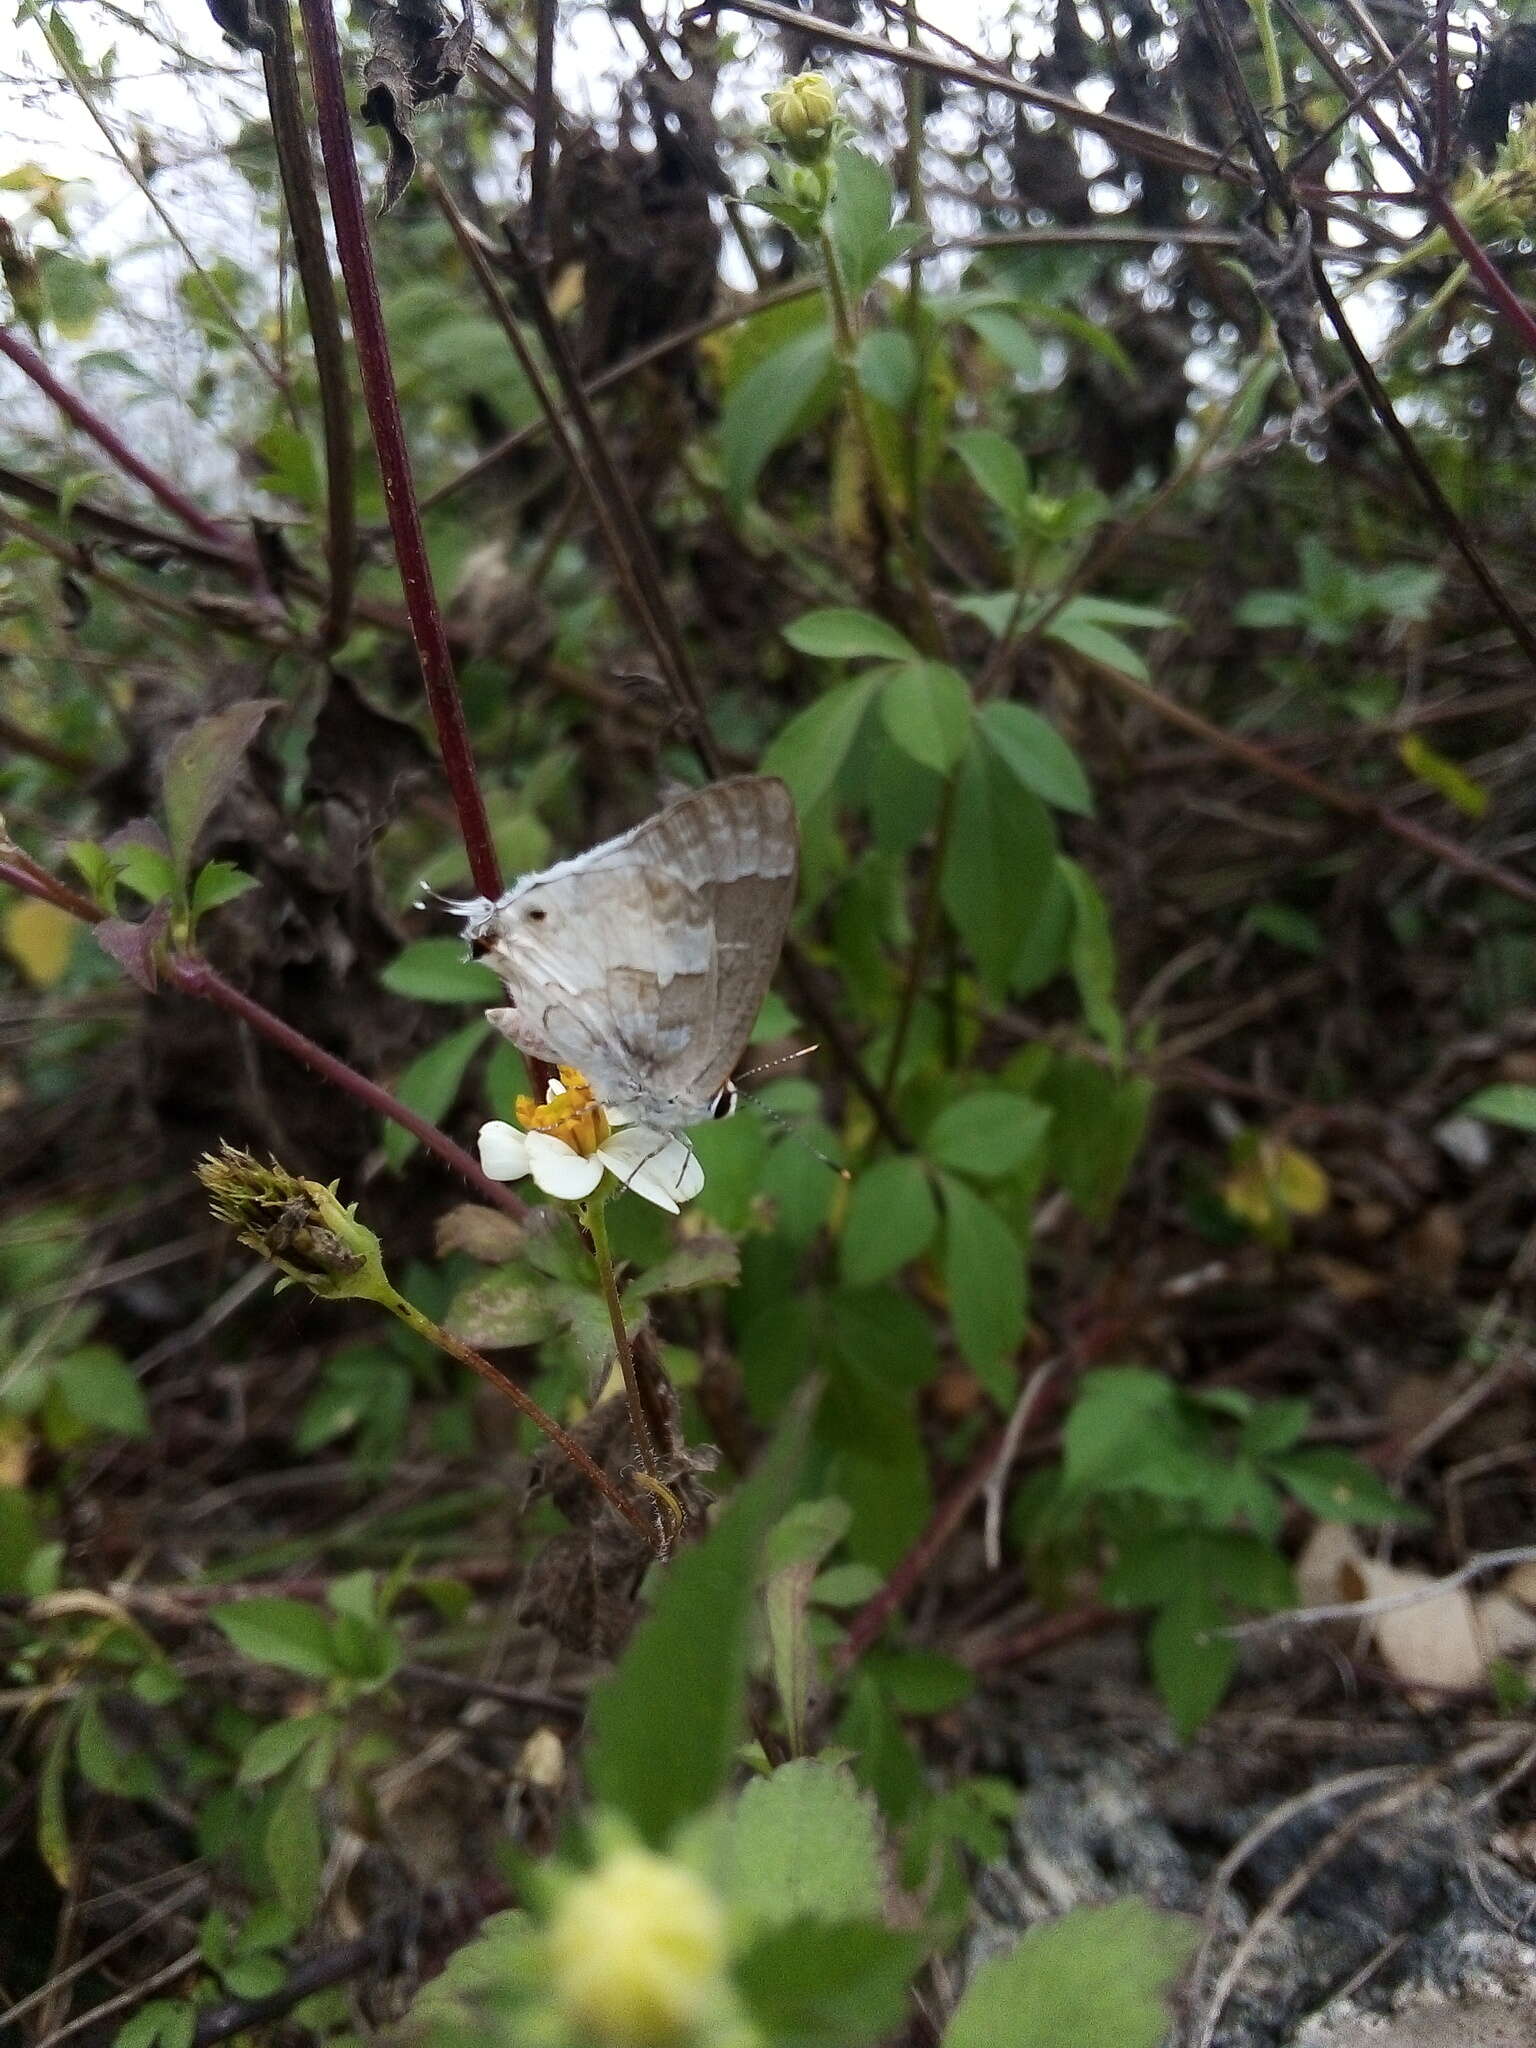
point(571, 1141)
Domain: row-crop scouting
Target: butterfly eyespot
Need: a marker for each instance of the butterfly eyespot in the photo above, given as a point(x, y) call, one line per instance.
point(724, 1103)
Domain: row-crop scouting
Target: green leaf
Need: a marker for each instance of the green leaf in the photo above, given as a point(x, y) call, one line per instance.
point(927, 712)
point(1091, 956)
point(842, 634)
point(293, 1850)
point(270, 1630)
point(771, 404)
point(999, 864)
point(1338, 1488)
point(1275, 1426)
point(1505, 1102)
point(811, 749)
point(1099, 1977)
point(505, 1310)
point(1192, 1664)
point(168, 2022)
point(436, 971)
point(1096, 1131)
point(430, 1083)
point(888, 367)
point(1075, 630)
point(807, 1534)
point(101, 1391)
point(219, 882)
point(859, 220)
point(1124, 1422)
point(1164, 1565)
point(998, 469)
point(144, 869)
point(273, 1749)
point(199, 772)
point(811, 1985)
point(1036, 755)
point(986, 1134)
point(984, 1277)
point(891, 1220)
point(697, 1262)
point(801, 1845)
point(1010, 341)
point(664, 1728)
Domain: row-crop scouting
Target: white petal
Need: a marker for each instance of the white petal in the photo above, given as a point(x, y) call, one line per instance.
point(503, 1151)
point(655, 1164)
point(559, 1171)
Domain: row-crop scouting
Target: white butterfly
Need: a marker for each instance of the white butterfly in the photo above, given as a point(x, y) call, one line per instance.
point(644, 962)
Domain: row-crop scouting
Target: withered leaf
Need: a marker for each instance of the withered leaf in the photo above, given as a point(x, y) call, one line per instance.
point(136, 947)
point(418, 55)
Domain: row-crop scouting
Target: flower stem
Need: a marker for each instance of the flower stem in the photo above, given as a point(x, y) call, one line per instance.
point(444, 1340)
point(669, 1514)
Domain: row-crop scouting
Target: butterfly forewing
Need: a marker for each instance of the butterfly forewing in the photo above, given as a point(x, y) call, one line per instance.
point(645, 961)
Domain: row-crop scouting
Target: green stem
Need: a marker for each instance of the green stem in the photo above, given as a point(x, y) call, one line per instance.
point(1273, 70)
point(663, 1499)
point(444, 1340)
point(845, 334)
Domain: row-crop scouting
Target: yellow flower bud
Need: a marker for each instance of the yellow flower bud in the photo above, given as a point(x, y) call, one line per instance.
point(801, 112)
point(637, 1953)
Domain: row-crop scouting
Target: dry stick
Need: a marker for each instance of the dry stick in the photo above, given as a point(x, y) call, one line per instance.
point(111, 443)
point(1445, 512)
point(540, 162)
point(379, 395)
point(290, 135)
point(1346, 802)
point(1488, 1751)
point(601, 501)
point(1281, 194)
point(117, 527)
point(1476, 257)
point(635, 540)
point(1135, 137)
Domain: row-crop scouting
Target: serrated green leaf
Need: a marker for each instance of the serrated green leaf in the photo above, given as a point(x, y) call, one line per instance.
point(1099, 1977)
point(926, 709)
point(801, 1845)
point(685, 1670)
point(219, 882)
point(892, 1217)
point(1192, 1663)
point(813, 1985)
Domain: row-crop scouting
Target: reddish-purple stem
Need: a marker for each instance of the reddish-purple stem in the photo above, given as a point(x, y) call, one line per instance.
point(1484, 269)
point(108, 440)
point(194, 977)
point(382, 401)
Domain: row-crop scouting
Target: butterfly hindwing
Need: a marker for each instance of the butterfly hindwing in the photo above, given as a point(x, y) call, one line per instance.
point(644, 962)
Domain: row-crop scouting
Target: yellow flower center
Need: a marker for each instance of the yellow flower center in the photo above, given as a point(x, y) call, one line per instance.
point(575, 1116)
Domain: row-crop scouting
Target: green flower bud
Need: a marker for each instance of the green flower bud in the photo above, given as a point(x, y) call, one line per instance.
point(801, 114)
point(300, 1226)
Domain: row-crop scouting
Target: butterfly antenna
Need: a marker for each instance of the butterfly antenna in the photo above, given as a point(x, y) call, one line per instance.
point(782, 1121)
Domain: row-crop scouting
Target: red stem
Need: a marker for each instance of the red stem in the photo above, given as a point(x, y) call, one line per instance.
point(383, 403)
point(195, 977)
point(31, 364)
